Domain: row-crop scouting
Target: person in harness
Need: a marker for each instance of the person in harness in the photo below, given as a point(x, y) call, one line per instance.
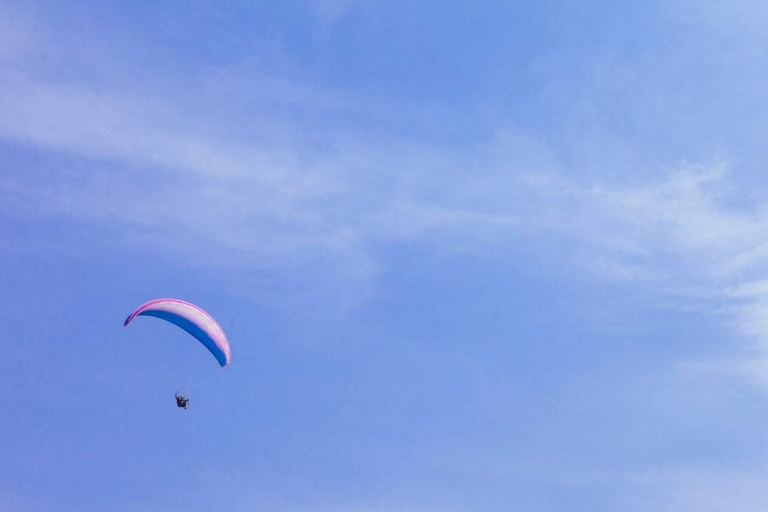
point(181, 401)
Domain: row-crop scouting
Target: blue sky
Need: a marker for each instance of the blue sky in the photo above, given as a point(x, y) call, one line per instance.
point(470, 256)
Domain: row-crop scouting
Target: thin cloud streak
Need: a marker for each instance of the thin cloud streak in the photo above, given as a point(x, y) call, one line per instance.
point(264, 201)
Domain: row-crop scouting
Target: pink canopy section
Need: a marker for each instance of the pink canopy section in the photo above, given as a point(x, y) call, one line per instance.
point(192, 319)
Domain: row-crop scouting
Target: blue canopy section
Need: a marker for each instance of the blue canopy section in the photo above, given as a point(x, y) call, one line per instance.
point(192, 329)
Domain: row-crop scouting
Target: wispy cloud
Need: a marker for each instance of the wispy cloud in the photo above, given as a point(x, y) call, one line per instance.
point(702, 489)
point(174, 171)
point(329, 11)
point(690, 236)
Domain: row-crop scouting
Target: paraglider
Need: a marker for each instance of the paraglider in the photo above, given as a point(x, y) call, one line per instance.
point(181, 401)
point(195, 321)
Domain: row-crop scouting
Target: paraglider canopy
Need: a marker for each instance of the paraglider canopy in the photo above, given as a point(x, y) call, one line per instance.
point(192, 319)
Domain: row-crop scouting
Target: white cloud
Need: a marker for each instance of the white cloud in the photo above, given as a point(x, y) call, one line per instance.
point(242, 180)
point(701, 489)
point(744, 20)
point(329, 11)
